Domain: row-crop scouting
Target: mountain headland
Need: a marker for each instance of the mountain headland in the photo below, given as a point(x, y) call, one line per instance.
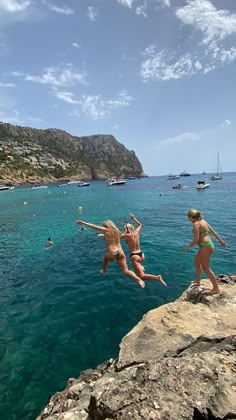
point(177, 363)
point(33, 155)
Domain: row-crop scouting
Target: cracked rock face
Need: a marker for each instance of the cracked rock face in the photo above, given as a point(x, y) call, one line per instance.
point(178, 362)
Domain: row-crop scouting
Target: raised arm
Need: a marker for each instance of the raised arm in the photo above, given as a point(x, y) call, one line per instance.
point(195, 237)
point(132, 216)
point(215, 234)
point(102, 228)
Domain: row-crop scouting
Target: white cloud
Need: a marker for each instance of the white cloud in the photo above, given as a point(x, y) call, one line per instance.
point(62, 10)
point(128, 3)
point(226, 123)
point(75, 44)
point(7, 84)
point(92, 13)
point(165, 65)
point(116, 127)
point(165, 2)
point(212, 23)
point(13, 6)
point(57, 76)
point(66, 97)
point(180, 138)
point(16, 74)
point(15, 117)
point(97, 108)
point(141, 10)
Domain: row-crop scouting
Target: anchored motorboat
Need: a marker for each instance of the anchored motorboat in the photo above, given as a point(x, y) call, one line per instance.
point(83, 184)
point(6, 187)
point(112, 182)
point(177, 186)
point(38, 187)
point(201, 185)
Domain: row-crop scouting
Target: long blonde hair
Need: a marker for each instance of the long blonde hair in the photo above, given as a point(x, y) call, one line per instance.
point(129, 228)
point(195, 214)
point(113, 229)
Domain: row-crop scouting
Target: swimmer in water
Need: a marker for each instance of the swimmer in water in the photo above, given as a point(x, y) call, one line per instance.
point(131, 235)
point(114, 250)
point(49, 242)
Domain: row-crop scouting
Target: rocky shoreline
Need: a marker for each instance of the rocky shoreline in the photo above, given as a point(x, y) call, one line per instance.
point(178, 362)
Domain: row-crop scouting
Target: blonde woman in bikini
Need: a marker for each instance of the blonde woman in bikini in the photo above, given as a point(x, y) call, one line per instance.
point(131, 235)
point(114, 250)
point(201, 237)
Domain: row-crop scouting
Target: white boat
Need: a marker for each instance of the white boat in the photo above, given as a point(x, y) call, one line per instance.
point(38, 187)
point(132, 177)
point(5, 187)
point(69, 183)
point(184, 173)
point(218, 174)
point(177, 186)
point(201, 185)
point(115, 181)
point(170, 176)
point(83, 184)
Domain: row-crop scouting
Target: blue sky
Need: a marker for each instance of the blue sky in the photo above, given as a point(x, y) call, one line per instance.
point(157, 74)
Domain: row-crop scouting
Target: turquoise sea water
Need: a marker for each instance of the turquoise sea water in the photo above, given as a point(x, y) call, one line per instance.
point(59, 315)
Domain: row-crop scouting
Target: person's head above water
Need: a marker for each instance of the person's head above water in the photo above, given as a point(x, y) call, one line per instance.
point(195, 214)
point(49, 239)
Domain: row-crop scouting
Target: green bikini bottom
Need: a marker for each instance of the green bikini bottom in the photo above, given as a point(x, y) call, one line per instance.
point(208, 243)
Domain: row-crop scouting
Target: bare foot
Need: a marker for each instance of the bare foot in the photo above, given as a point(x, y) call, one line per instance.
point(195, 284)
point(141, 283)
point(160, 279)
point(102, 271)
point(212, 292)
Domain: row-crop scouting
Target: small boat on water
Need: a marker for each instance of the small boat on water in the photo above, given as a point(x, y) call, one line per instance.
point(132, 177)
point(170, 176)
point(38, 187)
point(114, 182)
point(218, 174)
point(83, 184)
point(177, 186)
point(5, 187)
point(69, 183)
point(202, 185)
point(184, 173)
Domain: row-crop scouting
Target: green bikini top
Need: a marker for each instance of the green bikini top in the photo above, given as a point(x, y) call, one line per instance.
point(204, 231)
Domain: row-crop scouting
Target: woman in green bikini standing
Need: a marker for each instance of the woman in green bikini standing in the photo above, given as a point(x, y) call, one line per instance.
point(201, 237)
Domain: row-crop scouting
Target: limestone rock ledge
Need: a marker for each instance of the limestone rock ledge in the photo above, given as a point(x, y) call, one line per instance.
point(178, 362)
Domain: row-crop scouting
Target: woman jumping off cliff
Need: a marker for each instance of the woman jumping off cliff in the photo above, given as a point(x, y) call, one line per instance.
point(136, 255)
point(114, 250)
point(201, 237)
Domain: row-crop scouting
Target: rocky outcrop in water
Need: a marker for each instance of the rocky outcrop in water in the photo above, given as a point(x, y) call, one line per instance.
point(31, 155)
point(177, 363)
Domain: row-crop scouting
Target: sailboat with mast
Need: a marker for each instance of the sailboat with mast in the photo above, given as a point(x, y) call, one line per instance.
point(218, 174)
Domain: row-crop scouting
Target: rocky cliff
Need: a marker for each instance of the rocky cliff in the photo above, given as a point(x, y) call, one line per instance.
point(178, 363)
point(28, 154)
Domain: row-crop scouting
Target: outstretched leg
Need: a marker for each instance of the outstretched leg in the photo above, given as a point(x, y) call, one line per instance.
point(140, 271)
point(107, 257)
point(124, 268)
point(205, 255)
